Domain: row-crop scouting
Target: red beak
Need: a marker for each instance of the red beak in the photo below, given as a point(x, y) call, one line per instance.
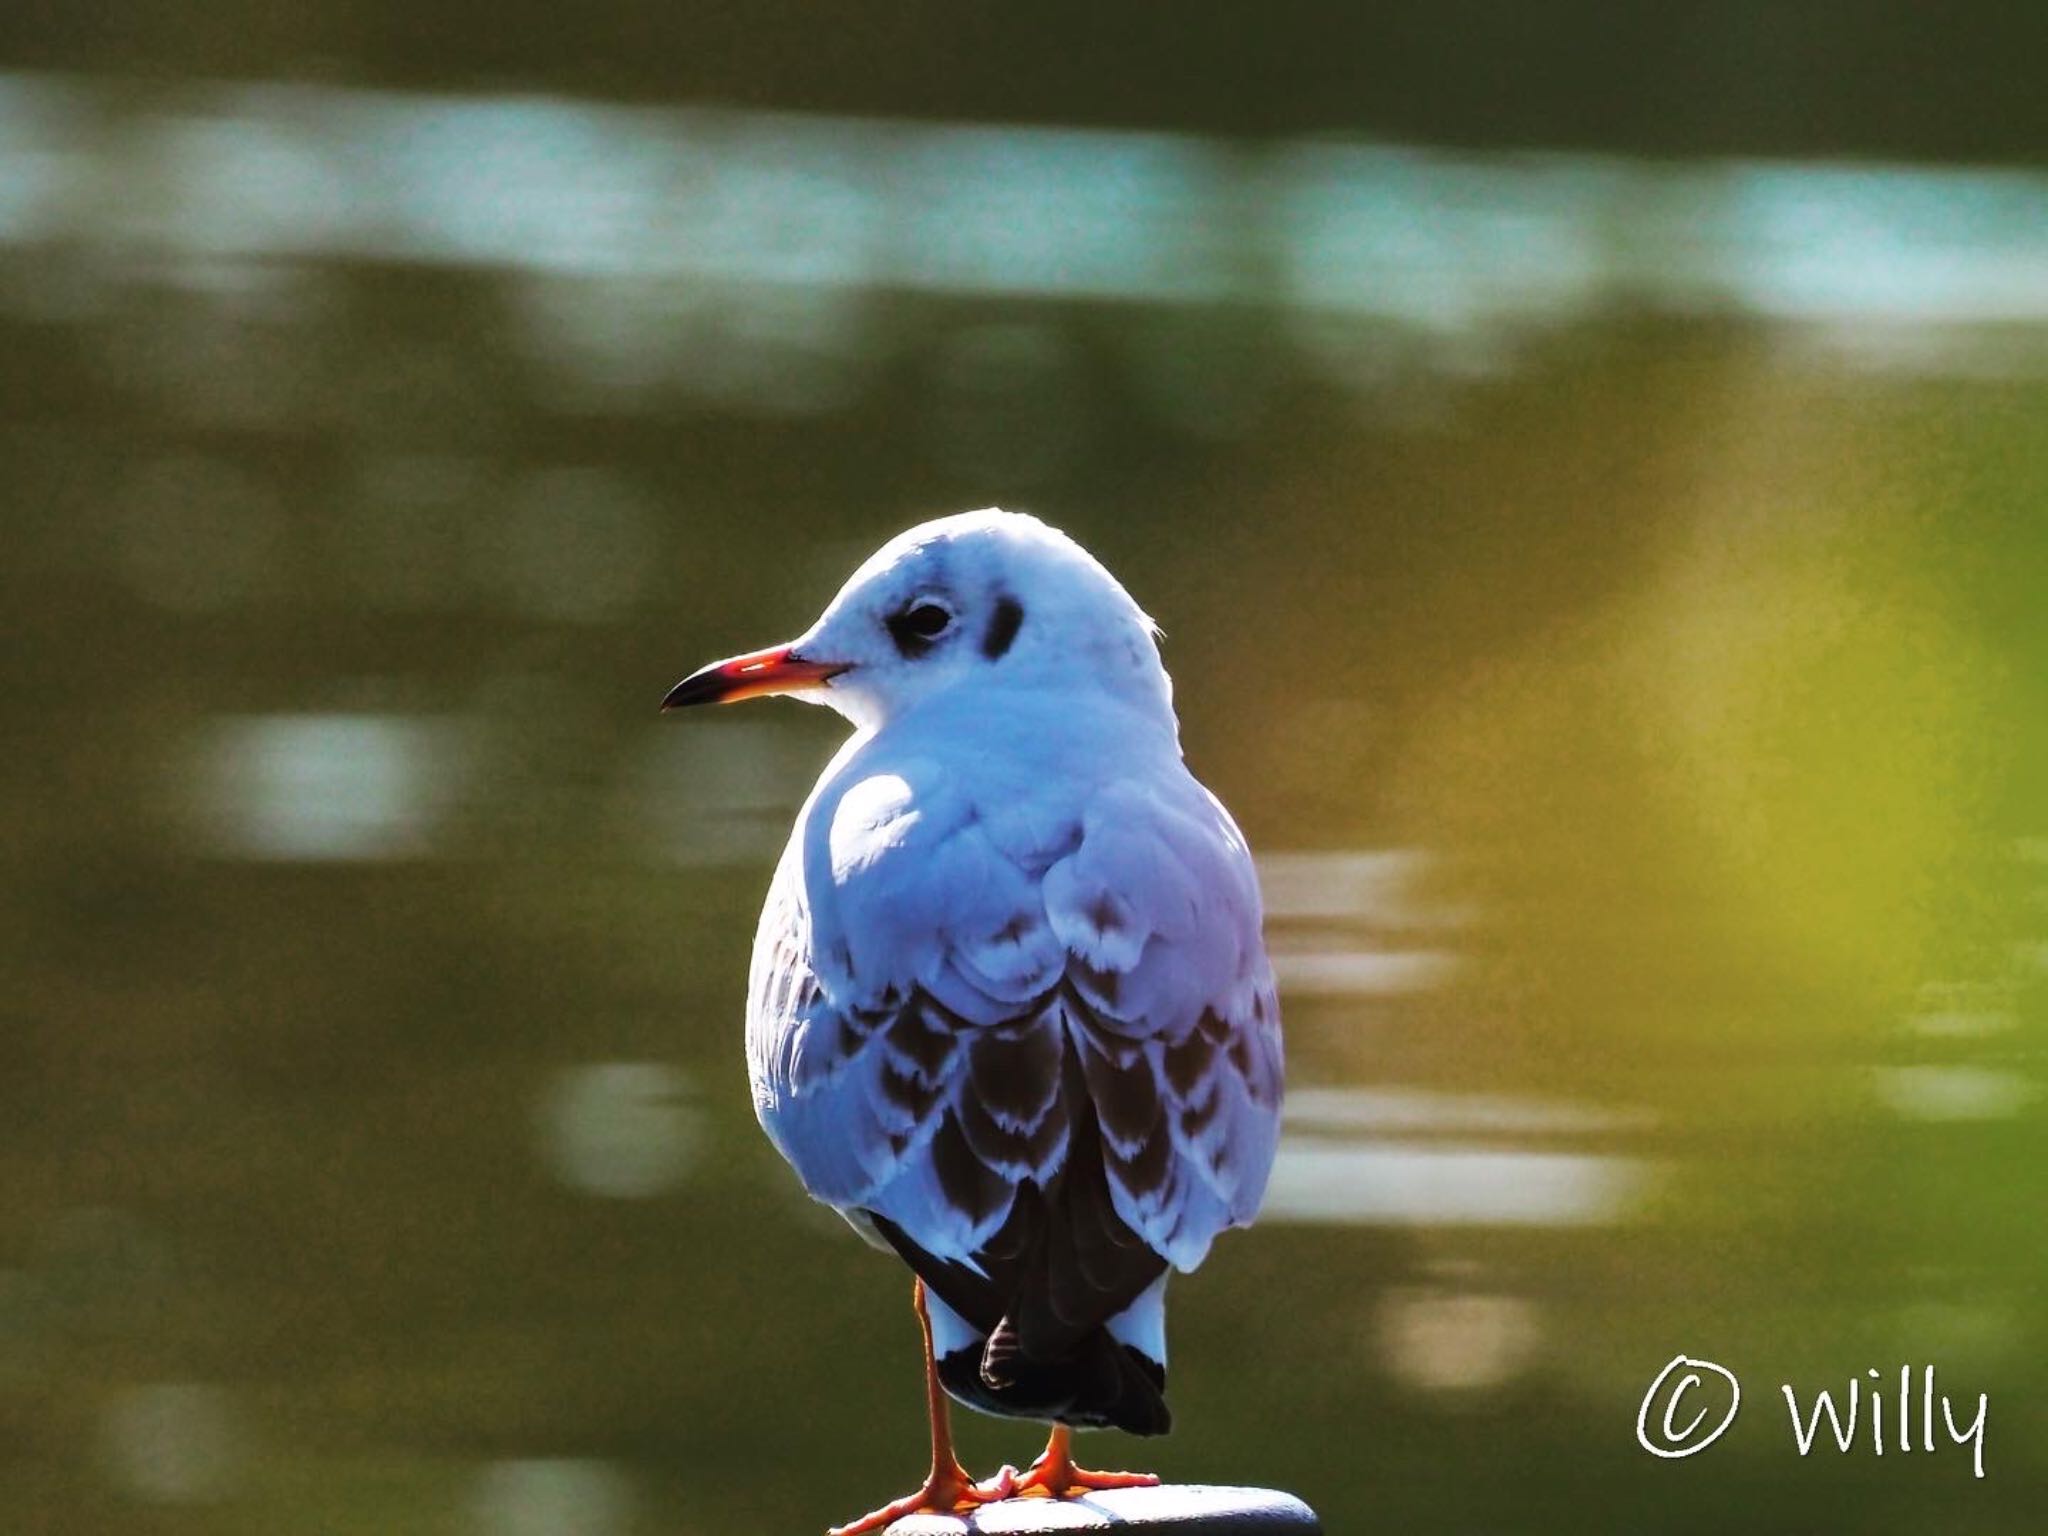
point(776, 670)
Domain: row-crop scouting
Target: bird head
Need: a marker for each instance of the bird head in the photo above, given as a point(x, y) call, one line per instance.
point(982, 600)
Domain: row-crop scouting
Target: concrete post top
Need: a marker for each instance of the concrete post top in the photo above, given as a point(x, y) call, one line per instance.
point(1184, 1508)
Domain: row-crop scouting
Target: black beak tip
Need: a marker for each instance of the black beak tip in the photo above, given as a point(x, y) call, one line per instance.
point(691, 690)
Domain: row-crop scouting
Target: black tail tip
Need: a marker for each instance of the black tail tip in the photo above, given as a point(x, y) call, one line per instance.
point(1100, 1384)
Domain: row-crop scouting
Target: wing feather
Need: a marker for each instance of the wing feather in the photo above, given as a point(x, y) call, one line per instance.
point(940, 988)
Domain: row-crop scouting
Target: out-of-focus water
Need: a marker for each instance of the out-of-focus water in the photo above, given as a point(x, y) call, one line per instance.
point(1609, 594)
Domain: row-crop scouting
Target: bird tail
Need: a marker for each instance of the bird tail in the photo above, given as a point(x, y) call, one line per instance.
point(1094, 1383)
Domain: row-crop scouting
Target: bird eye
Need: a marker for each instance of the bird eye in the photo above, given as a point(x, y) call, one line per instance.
point(926, 619)
point(916, 627)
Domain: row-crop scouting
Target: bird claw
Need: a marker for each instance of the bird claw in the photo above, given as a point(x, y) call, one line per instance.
point(1001, 1485)
point(1087, 1481)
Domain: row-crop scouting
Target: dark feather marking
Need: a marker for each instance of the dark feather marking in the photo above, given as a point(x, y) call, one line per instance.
point(1016, 1077)
point(849, 1038)
point(996, 1145)
point(923, 1040)
point(965, 1180)
point(1069, 843)
point(1126, 1098)
point(1199, 1114)
point(909, 1092)
point(1002, 627)
point(1014, 1149)
point(939, 1013)
point(1186, 1062)
point(1147, 1170)
point(1104, 915)
point(1102, 988)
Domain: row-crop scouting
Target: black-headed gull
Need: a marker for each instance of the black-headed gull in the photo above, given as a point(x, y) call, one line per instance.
point(1010, 1012)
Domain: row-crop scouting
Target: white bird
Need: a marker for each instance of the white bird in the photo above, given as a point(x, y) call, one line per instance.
point(1010, 1011)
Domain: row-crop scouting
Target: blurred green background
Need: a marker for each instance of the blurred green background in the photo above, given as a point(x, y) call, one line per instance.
point(1589, 463)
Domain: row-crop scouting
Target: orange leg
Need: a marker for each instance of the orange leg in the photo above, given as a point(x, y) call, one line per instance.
point(1055, 1476)
point(947, 1488)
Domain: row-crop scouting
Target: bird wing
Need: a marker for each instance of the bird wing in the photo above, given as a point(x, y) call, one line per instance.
point(1172, 1009)
point(950, 996)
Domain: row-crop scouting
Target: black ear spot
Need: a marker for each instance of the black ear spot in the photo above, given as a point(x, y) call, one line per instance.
point(1003, 625)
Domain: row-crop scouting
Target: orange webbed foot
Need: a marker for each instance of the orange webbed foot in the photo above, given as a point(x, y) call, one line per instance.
point(945, 1492)
point(1054, 1475)
point(1073, 1480)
